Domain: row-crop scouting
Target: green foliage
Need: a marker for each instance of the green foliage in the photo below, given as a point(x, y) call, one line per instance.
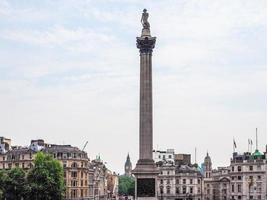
point(126, 186)
point(13, 184)
point(43, 182)
point(46, 178)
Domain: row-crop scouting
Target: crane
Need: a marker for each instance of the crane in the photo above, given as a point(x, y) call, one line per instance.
point(85, 145)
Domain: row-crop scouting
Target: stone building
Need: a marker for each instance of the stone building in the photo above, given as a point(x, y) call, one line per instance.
point(167, 155)
point(245, 178)
point(17, 157)
point(84, 180)
point(248, 175)
point(5, 144)
point(112, 185)
point(218, 185)
point(100, 190)
point(179, 179)
point(128, 166)
point(76, 171)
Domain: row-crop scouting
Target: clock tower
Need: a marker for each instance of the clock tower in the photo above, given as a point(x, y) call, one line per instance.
point(128, 167)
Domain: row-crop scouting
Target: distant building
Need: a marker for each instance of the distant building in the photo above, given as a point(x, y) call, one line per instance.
point(5, 145)
point(76, 170)
point(163, 155)
point(178, 178)
point(248, 175)
point(84, 180)
point(128, 166)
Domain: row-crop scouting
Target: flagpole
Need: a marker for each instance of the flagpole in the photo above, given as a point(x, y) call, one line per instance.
point(248, 144)
point(256, 138)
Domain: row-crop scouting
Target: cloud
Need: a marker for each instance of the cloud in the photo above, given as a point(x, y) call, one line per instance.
point(70, 70)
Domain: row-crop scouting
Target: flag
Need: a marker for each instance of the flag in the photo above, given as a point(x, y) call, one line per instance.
point(251, 142)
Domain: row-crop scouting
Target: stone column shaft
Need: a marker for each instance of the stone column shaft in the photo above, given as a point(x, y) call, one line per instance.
point(146, 114)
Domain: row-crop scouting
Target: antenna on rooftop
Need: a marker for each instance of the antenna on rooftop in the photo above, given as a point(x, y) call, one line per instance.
point(256, 138)
point(195, 155)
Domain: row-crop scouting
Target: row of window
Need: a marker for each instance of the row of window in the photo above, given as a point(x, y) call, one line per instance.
point(181, 181)
point(75, 164)
point(69, 155)
point(17, 157)
point(239, 178)
point(22, 165)
point(180, 190)
point(74, 183)
point(74, 174)
point(249, 168)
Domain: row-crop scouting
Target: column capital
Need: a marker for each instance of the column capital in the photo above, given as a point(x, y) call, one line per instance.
point(145, 44)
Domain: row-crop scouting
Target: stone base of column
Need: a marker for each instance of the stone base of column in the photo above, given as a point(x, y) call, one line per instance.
point(146, 174)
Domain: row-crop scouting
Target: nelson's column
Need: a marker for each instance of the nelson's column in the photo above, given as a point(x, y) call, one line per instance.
point(146, 171)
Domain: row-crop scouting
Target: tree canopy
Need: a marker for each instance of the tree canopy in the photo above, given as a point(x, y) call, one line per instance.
point(126, 186)
point(44, 181)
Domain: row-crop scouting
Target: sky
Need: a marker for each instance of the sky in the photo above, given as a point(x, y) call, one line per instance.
point(69, 73)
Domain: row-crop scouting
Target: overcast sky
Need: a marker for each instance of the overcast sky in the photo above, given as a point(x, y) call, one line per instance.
point(69, 73)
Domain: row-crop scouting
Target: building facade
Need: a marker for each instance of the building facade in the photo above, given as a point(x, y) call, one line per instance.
point(179, 179)
point(84, 179)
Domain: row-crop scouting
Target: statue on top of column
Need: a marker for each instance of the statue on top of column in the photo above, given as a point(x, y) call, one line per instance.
point(144, 21)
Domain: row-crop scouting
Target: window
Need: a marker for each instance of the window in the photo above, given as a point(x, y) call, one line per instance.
point(191, 190)
point(161, 181)
point(259, 177)
point(73, 193)
point(161, 190)
point(177, 190)
point(184, 181)
point(239, 177)
point(191, 181)
point(81, 183)
point(81, 192)
point(74, 183)
point(168, 190)
point(184, 190)
point(238, 188)
point(198, 181)
point(170, 156)
point(251, 168)
point(233, 188)
point(177, 181)
point(74, 165)
point(73, 174)
point(239, 168)
point(168, 172)
point(168, 181)
point(233, 169)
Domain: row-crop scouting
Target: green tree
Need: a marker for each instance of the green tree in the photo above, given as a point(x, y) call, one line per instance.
point(13, 184)
point(46, 178)
point(126, 185)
